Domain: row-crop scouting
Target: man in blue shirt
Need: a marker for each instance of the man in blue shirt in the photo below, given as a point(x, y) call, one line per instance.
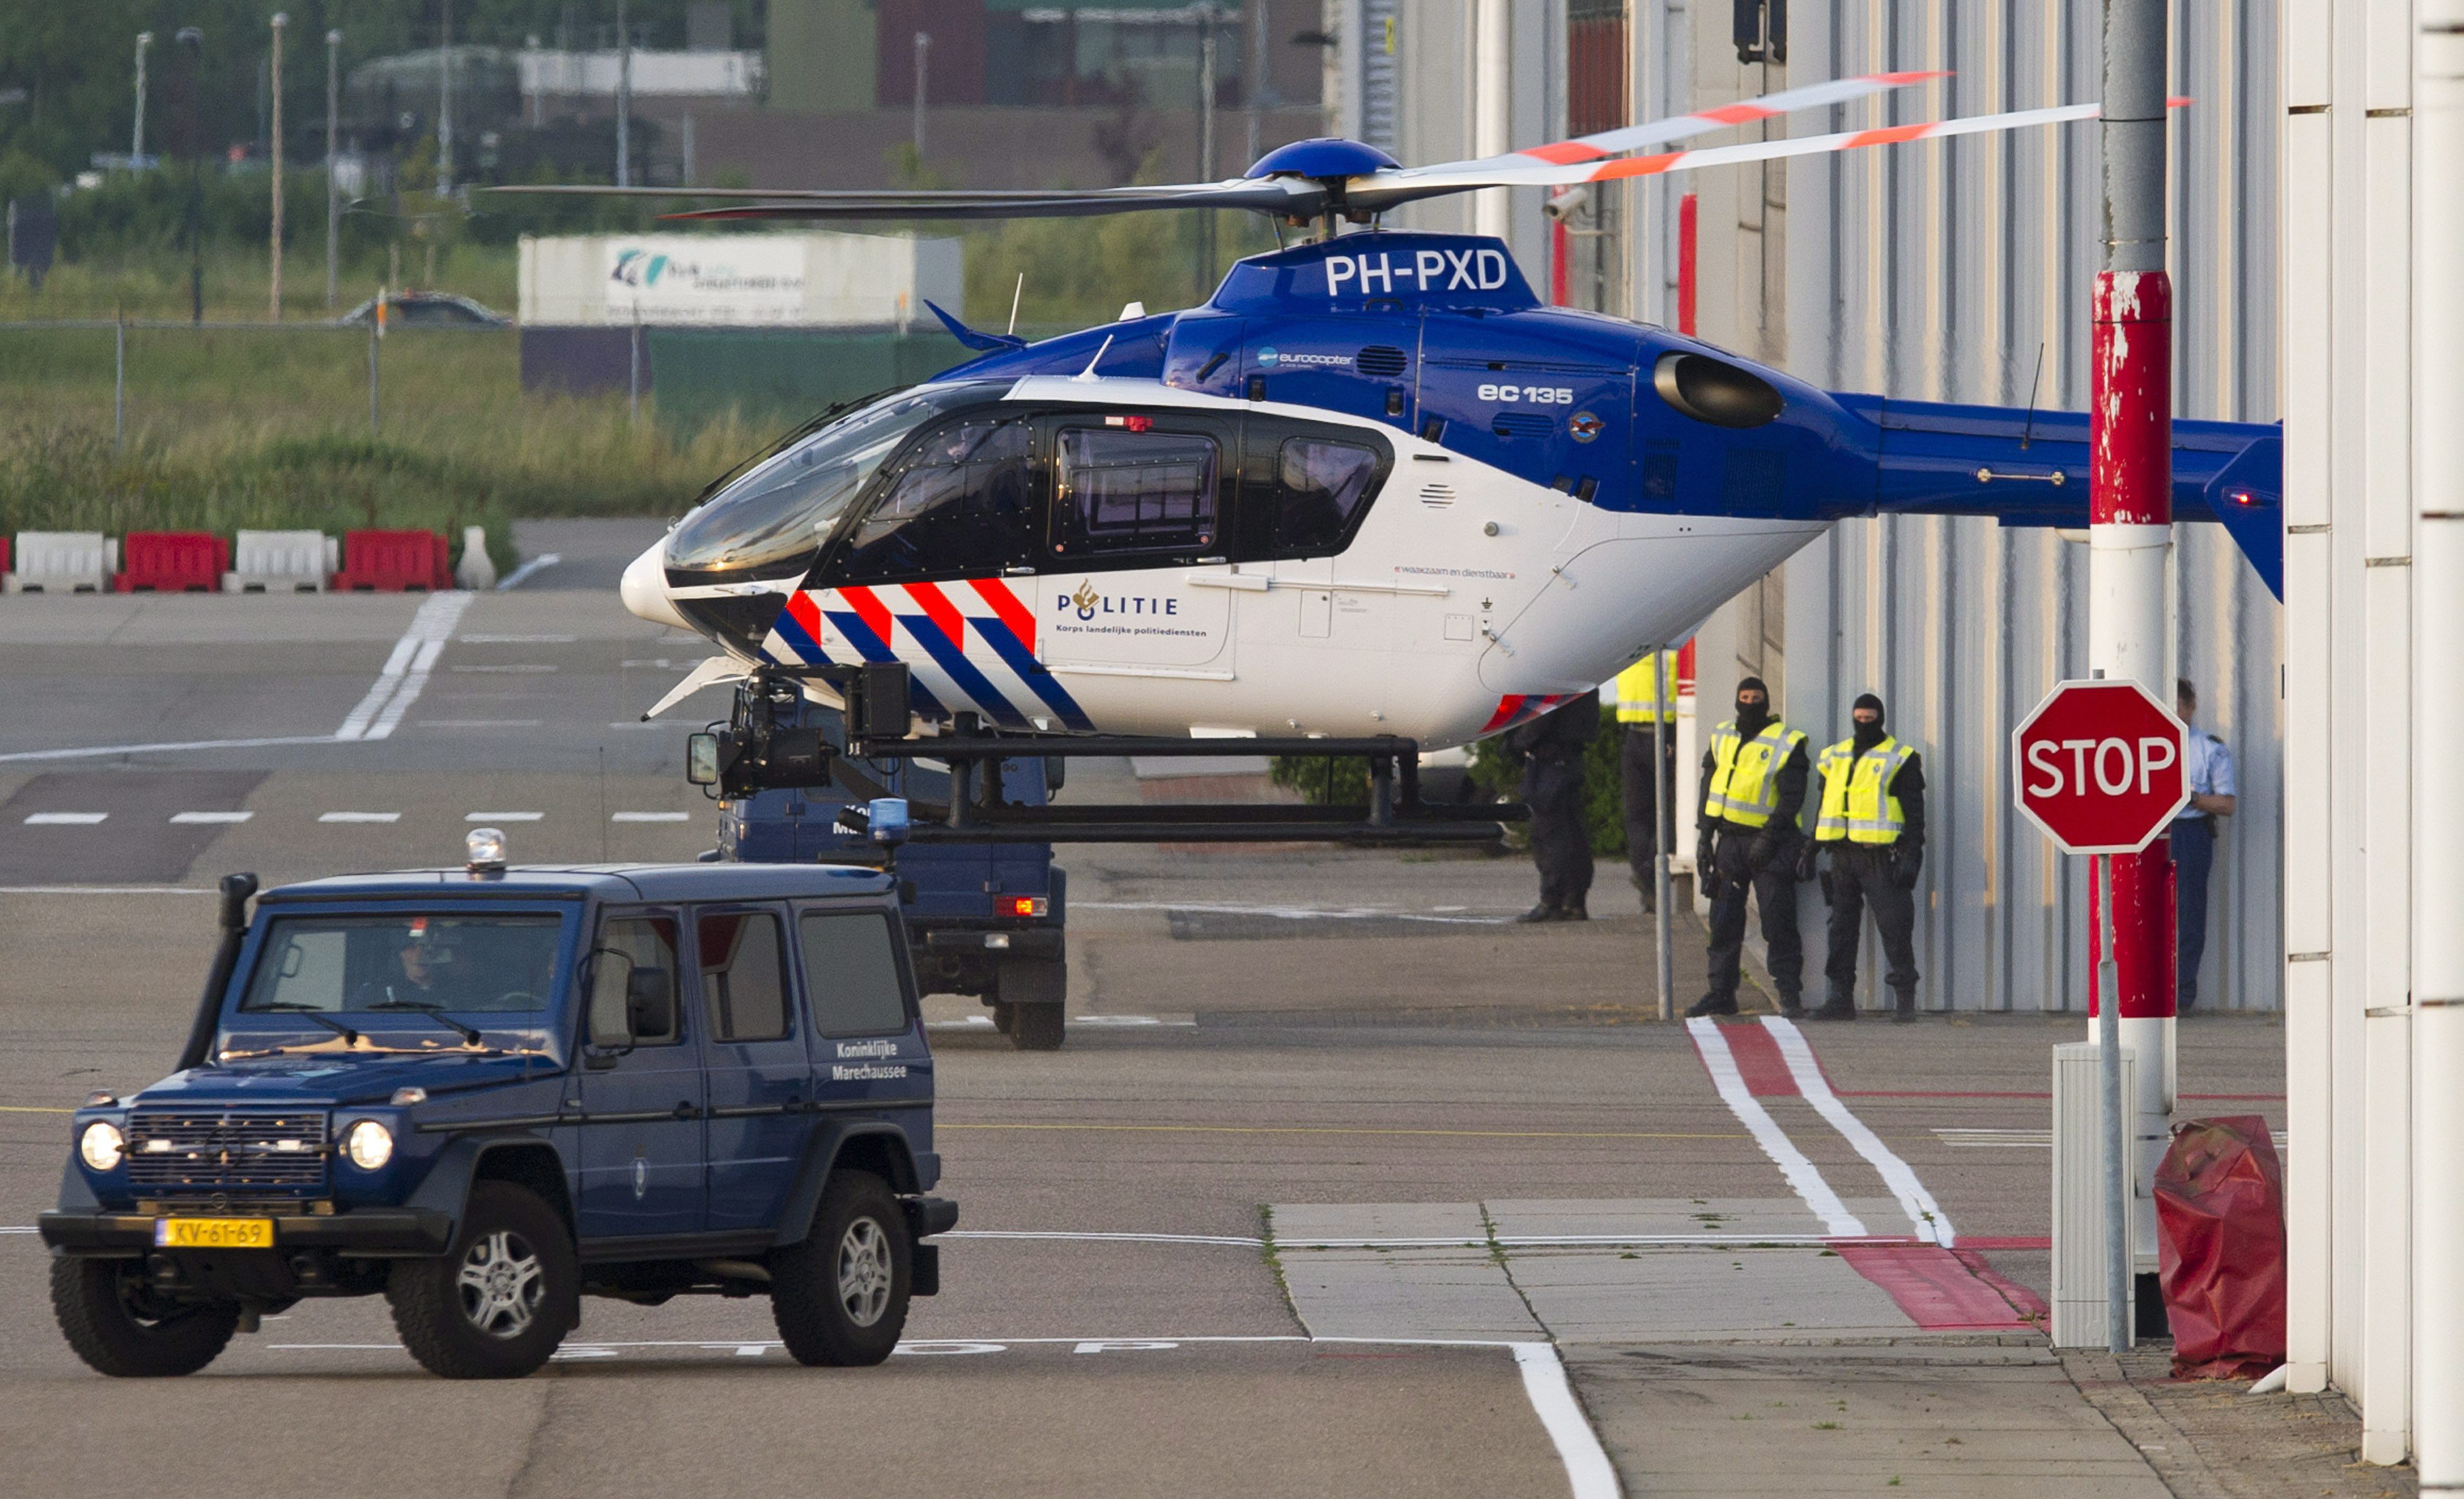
point(2209, 767)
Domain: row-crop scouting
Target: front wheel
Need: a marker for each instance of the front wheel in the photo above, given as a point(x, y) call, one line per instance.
point(496, 1306)
point(120, 1326)
point(840, 1296)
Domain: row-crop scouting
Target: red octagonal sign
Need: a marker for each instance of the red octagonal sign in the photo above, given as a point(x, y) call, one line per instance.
point(2098, 766)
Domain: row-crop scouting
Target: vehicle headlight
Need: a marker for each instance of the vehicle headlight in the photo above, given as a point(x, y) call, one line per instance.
point(102, 1145)
point(369, 1143)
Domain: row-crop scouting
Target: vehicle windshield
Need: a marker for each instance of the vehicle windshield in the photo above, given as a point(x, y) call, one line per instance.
point(772, 519)
point(341, 963)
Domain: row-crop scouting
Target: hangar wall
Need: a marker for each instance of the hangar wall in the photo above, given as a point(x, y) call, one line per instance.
point(1937, 272)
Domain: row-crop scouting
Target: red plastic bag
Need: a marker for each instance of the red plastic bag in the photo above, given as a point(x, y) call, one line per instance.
point(2220, 1248)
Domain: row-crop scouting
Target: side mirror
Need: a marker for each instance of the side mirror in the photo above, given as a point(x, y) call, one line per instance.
point(701, 759)
point(650, 1005)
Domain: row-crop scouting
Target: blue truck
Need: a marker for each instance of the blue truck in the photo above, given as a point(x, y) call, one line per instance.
point(485, 1093)
point(983, 919)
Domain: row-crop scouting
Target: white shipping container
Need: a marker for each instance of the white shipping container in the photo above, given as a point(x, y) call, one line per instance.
point(738, 280)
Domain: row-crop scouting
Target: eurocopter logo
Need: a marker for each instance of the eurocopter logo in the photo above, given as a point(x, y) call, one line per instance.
point(1089, 604)
point(1270, 356)
point(640, 267)
point(1430, 270)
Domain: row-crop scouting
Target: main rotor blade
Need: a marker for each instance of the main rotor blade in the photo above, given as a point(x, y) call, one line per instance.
point(1390, 189)
point(1678, 127)
point(1280, 195)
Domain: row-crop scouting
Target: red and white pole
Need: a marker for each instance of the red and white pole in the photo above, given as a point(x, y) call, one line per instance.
point(2131, 534)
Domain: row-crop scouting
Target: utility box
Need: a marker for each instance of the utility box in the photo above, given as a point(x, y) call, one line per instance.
point(2079, 1287)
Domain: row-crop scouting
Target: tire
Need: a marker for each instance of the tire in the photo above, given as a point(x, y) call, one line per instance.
point(116, 1325)
point(840, 1296)
point(1038, 1027)
point(496, 1306)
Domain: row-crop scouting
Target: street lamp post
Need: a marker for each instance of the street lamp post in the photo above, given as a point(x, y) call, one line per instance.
point(923, 47)
point(445, 103)
point(624, 100)
point(193, 38)
point(333, 199)
point(136, 136)
point(273, 140)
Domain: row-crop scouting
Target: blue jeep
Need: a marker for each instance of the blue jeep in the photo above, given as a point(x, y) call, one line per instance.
point(983, 919)
point(488, 1093)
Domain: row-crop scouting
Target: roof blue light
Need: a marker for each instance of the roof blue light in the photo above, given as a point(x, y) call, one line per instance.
point(1327, 156)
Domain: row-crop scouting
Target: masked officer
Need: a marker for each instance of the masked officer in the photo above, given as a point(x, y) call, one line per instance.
point(1872, 824)
point(1753, 787)
point(1646, 699)
point(1552, 747)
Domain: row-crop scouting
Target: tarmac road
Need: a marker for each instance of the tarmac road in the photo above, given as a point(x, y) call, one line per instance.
point(1458, 1133)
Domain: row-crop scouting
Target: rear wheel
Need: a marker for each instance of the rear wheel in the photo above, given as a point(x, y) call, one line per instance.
point(120, 1326)
point(840, 1297)
point(496, 1306)
point(1036, 992)
point(1038, 1027)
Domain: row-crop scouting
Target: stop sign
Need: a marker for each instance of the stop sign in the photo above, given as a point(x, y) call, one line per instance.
point(2098, 766)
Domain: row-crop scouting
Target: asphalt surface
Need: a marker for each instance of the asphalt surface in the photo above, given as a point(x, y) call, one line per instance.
point(1258, 1035)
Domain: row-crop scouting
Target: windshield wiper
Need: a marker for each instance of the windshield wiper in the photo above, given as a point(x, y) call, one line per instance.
point(435, 1012)
point(349, 1036)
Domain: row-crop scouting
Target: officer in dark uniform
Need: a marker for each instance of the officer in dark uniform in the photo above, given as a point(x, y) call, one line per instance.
point(1552, 747)
point(1753, 787)
point(1873, 826)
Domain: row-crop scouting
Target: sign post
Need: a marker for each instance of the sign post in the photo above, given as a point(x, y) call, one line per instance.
point(2099, 769)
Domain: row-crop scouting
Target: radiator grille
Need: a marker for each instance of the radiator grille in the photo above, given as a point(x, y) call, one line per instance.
point(227, 1151)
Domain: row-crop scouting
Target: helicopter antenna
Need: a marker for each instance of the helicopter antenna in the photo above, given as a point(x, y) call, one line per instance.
point(1020, 291)
point(1089, 373)
point(2030, 431)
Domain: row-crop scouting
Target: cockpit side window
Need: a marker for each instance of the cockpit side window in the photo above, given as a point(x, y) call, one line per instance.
point(1323, 486)
point(963, 506)
point(1124, 490)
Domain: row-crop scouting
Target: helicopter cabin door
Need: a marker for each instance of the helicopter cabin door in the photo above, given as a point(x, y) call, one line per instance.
point(1136, 540)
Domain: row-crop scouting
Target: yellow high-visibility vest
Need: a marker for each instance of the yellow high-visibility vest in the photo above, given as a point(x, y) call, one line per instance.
point(1857, 803)
point(1637, 702)
point(1744, 773)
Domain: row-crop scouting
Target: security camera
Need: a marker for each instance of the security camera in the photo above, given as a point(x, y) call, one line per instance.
point(1561, 206)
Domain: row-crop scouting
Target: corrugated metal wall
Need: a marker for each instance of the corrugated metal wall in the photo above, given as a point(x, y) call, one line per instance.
point(1939, 273)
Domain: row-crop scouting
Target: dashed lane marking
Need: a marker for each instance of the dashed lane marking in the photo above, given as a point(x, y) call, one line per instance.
point(193, 818)
point(64, 819)
point(525, 668)
point(405, 672)
point(359, 817)
point(650, 817)
point(479, 724)
point(518, 640)
point(503, 817)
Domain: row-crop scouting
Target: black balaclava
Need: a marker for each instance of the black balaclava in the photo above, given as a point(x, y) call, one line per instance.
point(1868, 735)
point(1753, 717)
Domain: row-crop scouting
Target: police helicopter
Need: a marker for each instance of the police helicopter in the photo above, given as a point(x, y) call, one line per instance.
point(1371, 492)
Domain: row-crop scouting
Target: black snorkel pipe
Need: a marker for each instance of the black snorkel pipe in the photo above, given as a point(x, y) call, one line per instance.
point(232, 913)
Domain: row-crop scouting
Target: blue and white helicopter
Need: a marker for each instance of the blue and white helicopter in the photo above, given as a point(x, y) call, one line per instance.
point(1372, 487)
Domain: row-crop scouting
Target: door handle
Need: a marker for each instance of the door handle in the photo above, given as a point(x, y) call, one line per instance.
point(684, 1109)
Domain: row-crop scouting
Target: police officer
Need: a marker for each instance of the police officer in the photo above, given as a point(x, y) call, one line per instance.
point(1753, 787)
point(2209, 767)
point(1552, 747)
point(1872, 824)
point(1646, 694)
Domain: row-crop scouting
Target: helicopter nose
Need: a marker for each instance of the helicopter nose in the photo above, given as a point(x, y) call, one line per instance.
point(645, 588)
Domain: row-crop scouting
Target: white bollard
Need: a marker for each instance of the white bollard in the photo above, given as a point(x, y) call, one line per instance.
point(474, 571)
point(2080, 1284)
point(61, 561)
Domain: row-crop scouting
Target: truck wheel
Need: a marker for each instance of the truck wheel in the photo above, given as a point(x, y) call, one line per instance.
point(495, 1306)
point(1038, 1027)
point(119, 1327)
point(1036, 991)
point(840, 1296)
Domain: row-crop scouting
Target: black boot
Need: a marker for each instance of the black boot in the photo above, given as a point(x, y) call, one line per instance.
point(1839, 1006)
point(1712, 1005)
point(1574, 910)
point(1793, 1006)
point(1904, 1009)
point(1543, 912)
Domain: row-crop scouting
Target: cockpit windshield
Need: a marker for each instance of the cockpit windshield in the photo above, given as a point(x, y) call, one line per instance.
point(770, 521)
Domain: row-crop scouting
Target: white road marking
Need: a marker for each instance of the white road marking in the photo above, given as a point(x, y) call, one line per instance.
point(518, 640)
point(106, 890)
point(505, 670)
point(64, 819)
point(1587, 1472)
point(523, 574)
point(211, 817)
point(105, 751)
point(1801, 1175)
point(1091, 1022)
point(1288, 913)
point(650, 817)
point(359, 817)
point(503, 817)
point(405, 672)
point(27, 1229)
point(478, 724)
point(2012, 1139)
point(1924, 1214)
point(1235, 1240)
